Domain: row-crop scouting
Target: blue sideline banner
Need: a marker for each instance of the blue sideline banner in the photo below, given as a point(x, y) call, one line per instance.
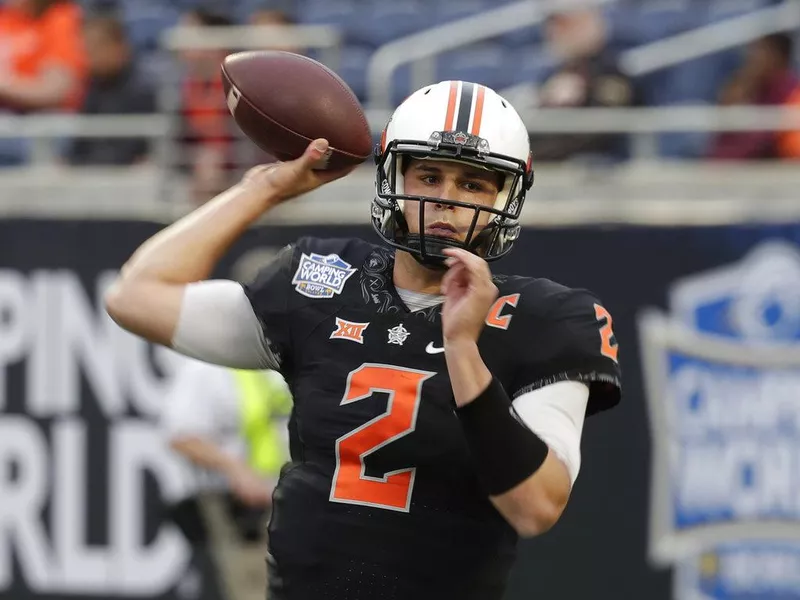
point(688, 490)
point(722, 370)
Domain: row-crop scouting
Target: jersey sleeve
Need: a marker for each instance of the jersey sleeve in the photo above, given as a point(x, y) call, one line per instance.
point(575, 342)
point(269, 295)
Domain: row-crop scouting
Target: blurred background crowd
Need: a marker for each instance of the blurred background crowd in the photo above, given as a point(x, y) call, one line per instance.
point(115, 57)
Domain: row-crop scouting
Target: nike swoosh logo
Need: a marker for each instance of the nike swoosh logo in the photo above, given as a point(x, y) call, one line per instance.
point(431, 349)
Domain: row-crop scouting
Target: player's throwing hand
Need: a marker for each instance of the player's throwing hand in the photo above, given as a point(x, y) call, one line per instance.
point(469, 292)
point(285, 180)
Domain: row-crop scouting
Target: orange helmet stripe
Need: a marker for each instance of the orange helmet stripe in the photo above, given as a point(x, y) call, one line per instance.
point(451, 106)
point(478, 116)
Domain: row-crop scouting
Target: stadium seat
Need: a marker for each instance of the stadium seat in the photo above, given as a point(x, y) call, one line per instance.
point(482, 63)
point(145, 22)
point(530, 64)
point(444, 12)
point(379, 22)
point(719, 10)
point(339, 13)
point(639, 23)
point(352, 67)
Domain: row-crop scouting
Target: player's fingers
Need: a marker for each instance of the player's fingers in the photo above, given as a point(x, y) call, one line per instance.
point(314, 154)
point(453, 274)
point(474, 264)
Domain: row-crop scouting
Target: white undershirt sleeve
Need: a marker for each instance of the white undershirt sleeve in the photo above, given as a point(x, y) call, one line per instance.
point(217, 324)
point(556, 414)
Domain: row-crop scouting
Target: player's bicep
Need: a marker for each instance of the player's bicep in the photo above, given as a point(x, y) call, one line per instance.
point(217, 324)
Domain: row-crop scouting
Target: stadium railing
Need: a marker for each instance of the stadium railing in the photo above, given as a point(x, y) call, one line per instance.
point(643, 190)
point(642, 124)
point(325, 38)
point(730, 33)
point(419, 50)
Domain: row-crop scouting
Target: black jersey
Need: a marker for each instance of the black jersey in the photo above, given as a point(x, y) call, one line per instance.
point(381, 500)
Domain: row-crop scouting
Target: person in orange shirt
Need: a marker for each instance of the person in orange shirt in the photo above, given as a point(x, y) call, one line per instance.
point(789, 141)
point(42, 61)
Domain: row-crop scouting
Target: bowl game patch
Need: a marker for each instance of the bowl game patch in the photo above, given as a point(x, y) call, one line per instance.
point(319, 276)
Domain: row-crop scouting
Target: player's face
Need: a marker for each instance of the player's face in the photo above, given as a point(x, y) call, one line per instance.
point(449, 181)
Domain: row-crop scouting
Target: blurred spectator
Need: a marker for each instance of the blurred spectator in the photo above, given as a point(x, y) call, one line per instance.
point(274, 16)
point(42, 62)
point(765, 78)
point(116, 86)
point(789, 141)
point(588, 76)
point(209, 134)
point(207, 129)
point(231, 427)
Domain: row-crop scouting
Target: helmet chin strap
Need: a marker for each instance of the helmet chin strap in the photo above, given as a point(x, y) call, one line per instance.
point(433, 257)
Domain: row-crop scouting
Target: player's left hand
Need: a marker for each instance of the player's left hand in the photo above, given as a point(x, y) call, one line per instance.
point(469, 292)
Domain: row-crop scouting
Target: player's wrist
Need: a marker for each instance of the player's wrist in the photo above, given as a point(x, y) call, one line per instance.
point(459, 344)
point(260, 193)
point(504, 450)
point(469, 375)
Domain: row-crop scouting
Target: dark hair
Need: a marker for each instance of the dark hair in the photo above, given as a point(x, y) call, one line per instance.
point(39, 7)
point(110, 25)
point(781, 44)
point(210, 18)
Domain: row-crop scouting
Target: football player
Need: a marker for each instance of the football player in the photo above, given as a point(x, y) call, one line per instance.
point(438, 408)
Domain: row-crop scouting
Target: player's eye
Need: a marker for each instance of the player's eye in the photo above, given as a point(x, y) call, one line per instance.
point(474, 186)
point(429, 179)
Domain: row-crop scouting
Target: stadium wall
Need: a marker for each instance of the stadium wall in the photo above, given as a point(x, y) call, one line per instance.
point(85, 470)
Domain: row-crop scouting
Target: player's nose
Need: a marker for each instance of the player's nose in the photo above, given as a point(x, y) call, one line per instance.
point(448, 191)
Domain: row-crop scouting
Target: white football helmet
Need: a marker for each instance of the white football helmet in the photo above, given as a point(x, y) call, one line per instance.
point(465, 122)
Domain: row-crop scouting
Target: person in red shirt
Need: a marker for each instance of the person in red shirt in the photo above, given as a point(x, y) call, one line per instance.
point(766, 78)
point(207, 133)
point(42, 60)
point(789, 141)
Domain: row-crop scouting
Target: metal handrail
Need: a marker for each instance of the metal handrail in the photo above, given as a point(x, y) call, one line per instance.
point(426, 44)
point(729, 33)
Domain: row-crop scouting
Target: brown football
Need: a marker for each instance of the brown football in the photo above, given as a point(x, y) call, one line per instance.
point(282, 101)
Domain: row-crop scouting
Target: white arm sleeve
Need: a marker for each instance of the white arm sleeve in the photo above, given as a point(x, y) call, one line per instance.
point(556, 413)
point(217, 324)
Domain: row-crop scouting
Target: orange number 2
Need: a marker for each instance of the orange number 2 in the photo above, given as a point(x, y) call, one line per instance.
point(608, 343)
point(350, 483)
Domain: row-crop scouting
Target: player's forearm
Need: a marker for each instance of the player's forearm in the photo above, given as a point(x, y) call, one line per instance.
point(189, 249)
point(147, 297)
point(204, 454)
point(535, 505)
point(540, 489)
